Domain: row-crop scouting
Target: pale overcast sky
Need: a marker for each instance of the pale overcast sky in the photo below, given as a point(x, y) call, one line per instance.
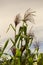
point(9, 8)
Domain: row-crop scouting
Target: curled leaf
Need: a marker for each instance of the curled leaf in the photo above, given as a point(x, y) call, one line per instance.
point(9, 28)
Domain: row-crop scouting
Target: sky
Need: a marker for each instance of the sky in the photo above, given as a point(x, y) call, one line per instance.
point(8, 10)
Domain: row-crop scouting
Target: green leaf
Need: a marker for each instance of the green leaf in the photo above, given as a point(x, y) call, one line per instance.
point(30, 61)
point(18, 52)
point(6, 43)
point(18, 43)
point(12, 41)
point(29, 51)
point(17, 37)
point(40, 59)
point(30, 42)
point(12, 27)
point(21, 28)
point(25, 29)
